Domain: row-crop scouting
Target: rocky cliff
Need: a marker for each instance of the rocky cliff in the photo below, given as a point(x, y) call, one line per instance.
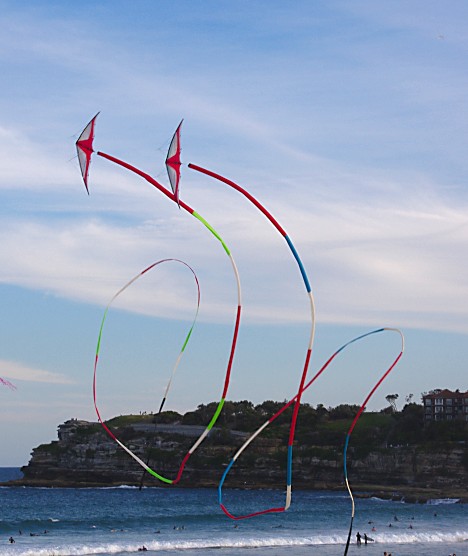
point(84, 455)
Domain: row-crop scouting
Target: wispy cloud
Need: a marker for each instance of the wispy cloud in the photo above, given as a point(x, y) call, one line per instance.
point(353, 251)
point(18, 371)
point(347, 120)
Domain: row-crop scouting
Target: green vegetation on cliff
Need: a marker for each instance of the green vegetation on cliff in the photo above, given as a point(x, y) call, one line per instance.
point(387, 448)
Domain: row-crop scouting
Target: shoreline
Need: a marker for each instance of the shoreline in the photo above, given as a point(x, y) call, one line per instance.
point(409, 495)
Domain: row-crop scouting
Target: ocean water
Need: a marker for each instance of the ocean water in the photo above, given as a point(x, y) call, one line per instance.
point(174, 521)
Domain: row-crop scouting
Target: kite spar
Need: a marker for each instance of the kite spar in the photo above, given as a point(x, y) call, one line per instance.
point(84, 147)
point(173, 163)
point(297, 399)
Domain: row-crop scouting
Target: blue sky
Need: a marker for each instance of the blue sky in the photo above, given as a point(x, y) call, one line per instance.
point(348, 120)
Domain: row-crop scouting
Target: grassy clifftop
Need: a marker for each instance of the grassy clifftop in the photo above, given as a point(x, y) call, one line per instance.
point(388, 450)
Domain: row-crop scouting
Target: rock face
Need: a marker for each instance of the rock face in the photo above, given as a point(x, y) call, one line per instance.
point(84, 455)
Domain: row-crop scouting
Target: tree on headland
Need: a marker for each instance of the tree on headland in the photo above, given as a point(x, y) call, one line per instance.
point(391, 399)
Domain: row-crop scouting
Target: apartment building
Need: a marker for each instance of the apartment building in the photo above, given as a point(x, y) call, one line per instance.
point(445, 405)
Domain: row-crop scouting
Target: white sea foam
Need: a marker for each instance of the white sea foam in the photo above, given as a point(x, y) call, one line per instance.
point(439, 501)
point(377, 499)
point(422, 537)
point(119, 521)
point(233, 543)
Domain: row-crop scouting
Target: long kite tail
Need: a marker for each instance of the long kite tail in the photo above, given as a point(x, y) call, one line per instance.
point(297, 399)
point(98, 348)
point(353, 424)
point(227, 378)
point(282, 409)
point(350, 528)
point(174, 370)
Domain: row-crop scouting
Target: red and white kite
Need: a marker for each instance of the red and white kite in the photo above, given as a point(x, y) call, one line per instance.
point(173, 163)
point(7, 383)
point(84, 148)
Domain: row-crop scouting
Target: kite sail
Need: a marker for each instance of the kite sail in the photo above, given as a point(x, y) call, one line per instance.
point(84, 148)
point(173, 163)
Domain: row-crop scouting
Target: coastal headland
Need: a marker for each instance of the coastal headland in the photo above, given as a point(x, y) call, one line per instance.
point(391, 455)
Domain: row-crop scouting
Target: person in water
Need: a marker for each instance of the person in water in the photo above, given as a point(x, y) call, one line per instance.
point(358, 538)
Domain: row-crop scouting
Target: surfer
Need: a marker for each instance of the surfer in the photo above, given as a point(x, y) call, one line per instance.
point(358, 538)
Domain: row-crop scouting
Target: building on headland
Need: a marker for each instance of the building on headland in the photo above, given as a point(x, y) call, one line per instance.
point(445, 405)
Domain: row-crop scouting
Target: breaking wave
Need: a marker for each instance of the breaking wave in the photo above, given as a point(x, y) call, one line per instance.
point(229, 542)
